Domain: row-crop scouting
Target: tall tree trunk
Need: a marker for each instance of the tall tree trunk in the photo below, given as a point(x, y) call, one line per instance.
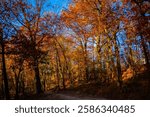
point(117, 53)
point(60, 72)
point(37, 77)
point(84, 47)
point(17, 77)
point(22, 84)
point(17, 86)
point(4, 73)
point(44, 82)
point(57, 72)
point(145, 53)
point(99, 64)
point(67, 68)
point(93, 62)
point(2, 87)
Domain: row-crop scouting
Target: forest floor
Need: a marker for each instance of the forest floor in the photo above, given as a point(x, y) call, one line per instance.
point(68, 95)
point(137, 88)
point(64, 95)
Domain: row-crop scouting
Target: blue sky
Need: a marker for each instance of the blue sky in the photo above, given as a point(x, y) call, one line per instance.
point(54, 5)
point(59, 4)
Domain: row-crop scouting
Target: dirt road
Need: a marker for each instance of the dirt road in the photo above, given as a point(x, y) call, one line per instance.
point(67, 96)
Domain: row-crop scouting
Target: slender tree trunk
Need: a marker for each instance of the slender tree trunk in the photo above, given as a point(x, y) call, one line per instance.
point(17, 86)
point(44, 83)
point(37, 77)
point(2, 87)
point(118, 63)
point(4, 73)
point(60, 72)
point(85, 61)
point(99, 61)
point(93, 64)
point(17, 77)
point(63, 78)
point(57, 73)
point(145, 54)
point(67, 68)
point(22, 84)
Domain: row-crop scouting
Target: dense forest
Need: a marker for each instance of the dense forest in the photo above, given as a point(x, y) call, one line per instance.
point(97, 47)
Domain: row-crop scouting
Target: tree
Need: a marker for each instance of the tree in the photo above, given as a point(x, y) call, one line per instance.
point(75, 21)
point(137, 21)
point(31, 34)
point(99, 21)
point(5, 33)
point(4, 73)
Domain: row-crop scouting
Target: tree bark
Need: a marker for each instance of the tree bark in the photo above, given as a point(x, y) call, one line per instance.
point(117, 53)
point(37, 77)
point(4, 73)
point(17, 77)
point(145, 53)
point(17, 86)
